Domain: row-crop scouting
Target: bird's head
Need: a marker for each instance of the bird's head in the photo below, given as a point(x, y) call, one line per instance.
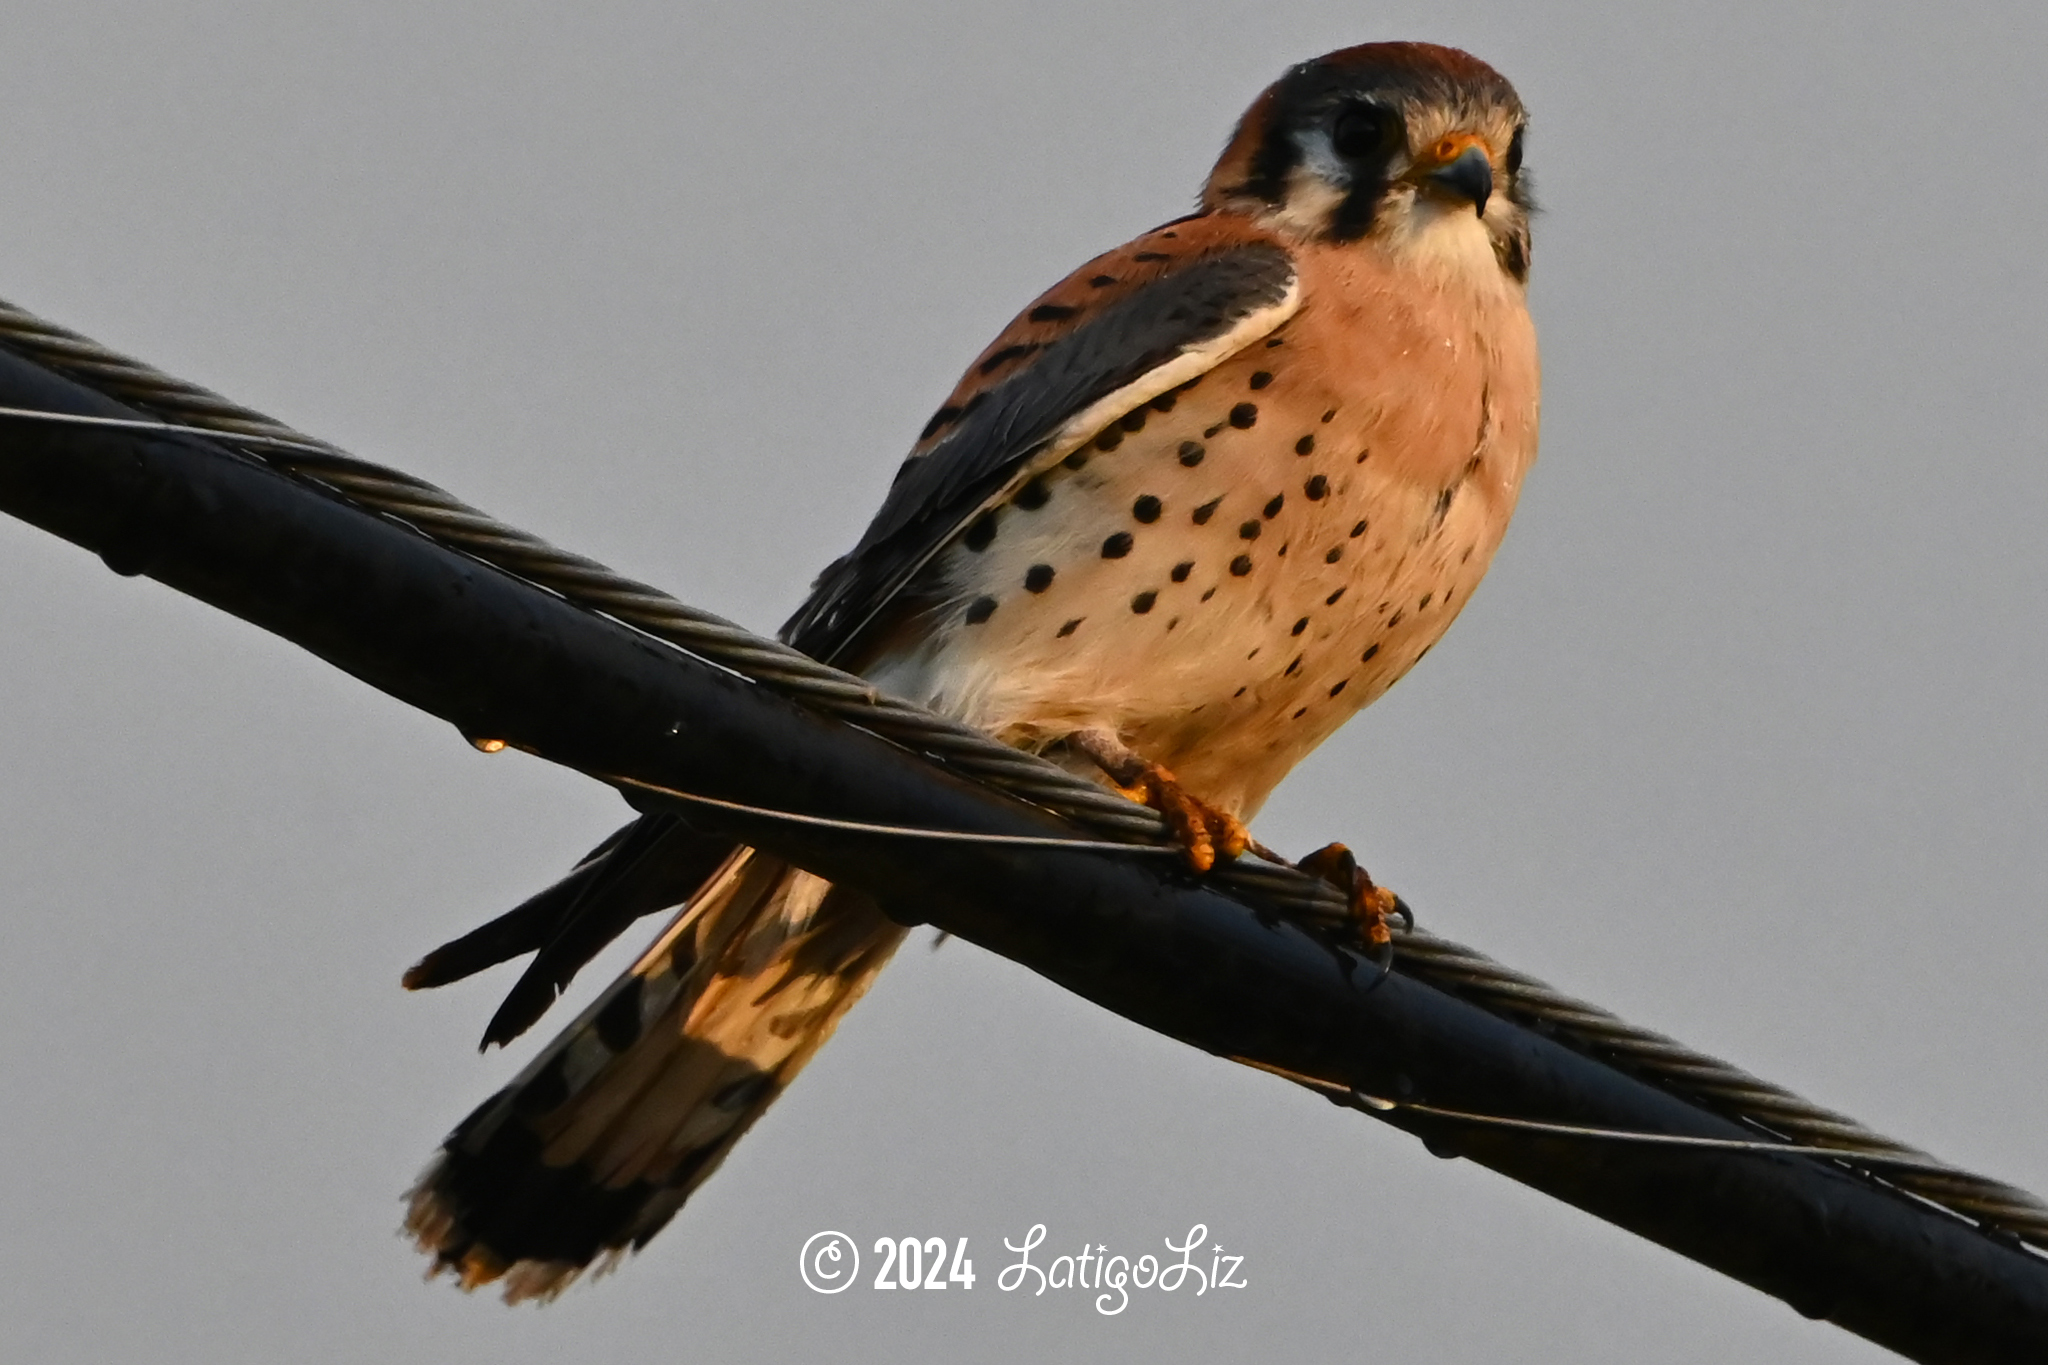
point(1413, 146)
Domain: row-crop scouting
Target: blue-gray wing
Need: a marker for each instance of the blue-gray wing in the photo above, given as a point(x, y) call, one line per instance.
point(1117, 333)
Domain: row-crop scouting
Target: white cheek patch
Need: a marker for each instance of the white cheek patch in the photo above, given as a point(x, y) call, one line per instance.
point(1319, 159)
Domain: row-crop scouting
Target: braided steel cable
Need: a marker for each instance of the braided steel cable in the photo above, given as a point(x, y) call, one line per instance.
point(1459, 970)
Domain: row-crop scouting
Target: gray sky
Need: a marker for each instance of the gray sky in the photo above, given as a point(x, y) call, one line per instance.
point(1742, 738)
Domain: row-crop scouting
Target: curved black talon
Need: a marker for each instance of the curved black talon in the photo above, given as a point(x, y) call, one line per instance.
point(1406, 915)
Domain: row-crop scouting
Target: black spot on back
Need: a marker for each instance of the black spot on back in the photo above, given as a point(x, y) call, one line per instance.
point(1331, 600)
point(1243, 415)
point(1299, 626)
point(1146, 509)
point(1052, 312)
point(1038, 577)
point(1006, 355)
point(1142, 603)
point(1117, 546)
point(1152, 256)
point(1134, 420)
point(1191, 453)
point(1240, 566)
point(1261, 378)
point(1102, 281)
point(1336, 553)
point(941, 419)
point(1109, 438)
point(1370, 651)
point(1273, 506)
point(1070, 627)
point(1206, 511)
point(1316, 488)
point(1305, 446)
point(1182, 570)
point(1339, 687)
point(1358, 530)
point(1249, 530)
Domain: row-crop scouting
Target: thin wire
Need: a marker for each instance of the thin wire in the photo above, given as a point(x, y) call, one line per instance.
point(79, 419)
point(951, 836)
point(1359, 1099)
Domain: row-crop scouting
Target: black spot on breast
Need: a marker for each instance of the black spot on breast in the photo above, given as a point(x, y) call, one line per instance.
point(1209, 594)
point(1211, 431)
point(980, 610)
point(1142, 603)
point(1275, 341)
point(1052, 312)
point(1317, 488)
point(1006, 355)
point(1363, 456)
point(1466, 557)
point(1151, 256)
point(1146, 509)
point(1206, 511)
point(1443, 503)
point(1240, 566)
point(618, 1023)
point(1076, 460)
point(1038, 578)
point(1032, 495)
point(1191, 453)
point(1283, 548)
point(1243, 415)
point(1370, 651)
point(1293, 668)
point(1165, 402)
point(1102, 281)
point(1169, 236)
point(1331, 600)
point(1336, 553)
point(1109, 438)
point(1249, 530)
point(1339, 687)
point(941, 419)
point(1299, 626)
point(1238, 693)
point(981, 532)
point(1070, 627)
point(1134, 420)
point(1182, 570)
point(1273, 506)
point(1394, 620)
point(1261, 378)
point(1423, 605)
point(1117, 546)
point(1302, 712)
point(1305, 446)
point(1329, 415)
point(1170, 625)
point(1358, 530)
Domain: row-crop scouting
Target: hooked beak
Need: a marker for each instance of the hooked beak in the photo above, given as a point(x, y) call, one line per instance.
point(1460, 168)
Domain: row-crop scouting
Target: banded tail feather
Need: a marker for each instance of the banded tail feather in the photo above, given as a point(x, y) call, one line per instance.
point(592, 1148)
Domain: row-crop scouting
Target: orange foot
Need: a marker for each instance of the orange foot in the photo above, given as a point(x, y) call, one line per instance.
point(1204, 832)
point(1372, 905)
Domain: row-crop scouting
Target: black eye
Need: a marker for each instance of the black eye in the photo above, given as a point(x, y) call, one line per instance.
point(1364, 130)
point(1515, 152)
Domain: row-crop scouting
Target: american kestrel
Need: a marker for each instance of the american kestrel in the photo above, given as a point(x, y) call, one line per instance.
point(1199, 503)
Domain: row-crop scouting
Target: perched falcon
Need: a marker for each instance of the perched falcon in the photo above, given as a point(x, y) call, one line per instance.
point(1199, 503)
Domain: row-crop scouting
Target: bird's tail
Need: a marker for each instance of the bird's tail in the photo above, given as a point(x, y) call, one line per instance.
point(597, 1143)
